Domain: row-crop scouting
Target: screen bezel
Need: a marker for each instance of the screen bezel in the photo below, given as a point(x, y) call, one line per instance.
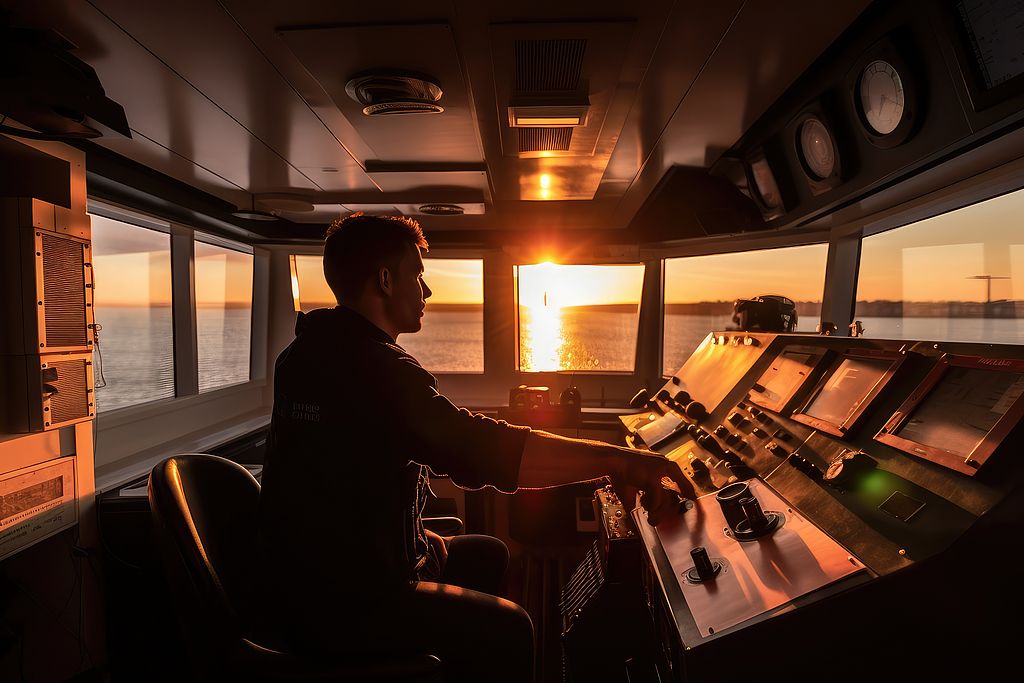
point(800, 415)
point(981, 96)
point(818, 354)
point(972, 462)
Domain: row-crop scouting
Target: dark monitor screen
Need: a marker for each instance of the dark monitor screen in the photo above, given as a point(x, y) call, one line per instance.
point(846, 389)
point(784, 377)
point(960, 411)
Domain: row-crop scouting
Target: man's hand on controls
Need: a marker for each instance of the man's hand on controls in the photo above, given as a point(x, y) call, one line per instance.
point(661, 484)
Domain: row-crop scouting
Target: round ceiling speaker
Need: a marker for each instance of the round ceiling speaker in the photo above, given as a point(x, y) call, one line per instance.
point(252, 213)
point(442, 209)
point(385, 93)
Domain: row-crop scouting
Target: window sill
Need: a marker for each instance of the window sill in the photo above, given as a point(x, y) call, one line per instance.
point(145, 411)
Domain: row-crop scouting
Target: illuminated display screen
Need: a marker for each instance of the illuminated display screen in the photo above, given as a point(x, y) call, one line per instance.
point(995, 33)
point(784, 377)
point(962, 409)
point(852, 383)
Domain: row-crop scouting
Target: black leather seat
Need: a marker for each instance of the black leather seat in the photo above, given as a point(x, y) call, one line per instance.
point(204, 510)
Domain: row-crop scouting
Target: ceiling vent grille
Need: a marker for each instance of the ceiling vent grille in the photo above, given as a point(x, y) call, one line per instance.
point(549, 65)
point(544, 139)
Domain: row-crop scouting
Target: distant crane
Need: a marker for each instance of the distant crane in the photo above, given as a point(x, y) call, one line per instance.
point(988, 283)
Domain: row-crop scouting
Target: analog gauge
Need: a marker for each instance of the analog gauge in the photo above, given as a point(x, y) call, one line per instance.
point(764, 180)
point(881, 97)
point(817, 149)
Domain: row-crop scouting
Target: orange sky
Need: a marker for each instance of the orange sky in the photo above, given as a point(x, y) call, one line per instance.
point(452, 281)
point(932, 260)
point(983, 239)
point(133, 268)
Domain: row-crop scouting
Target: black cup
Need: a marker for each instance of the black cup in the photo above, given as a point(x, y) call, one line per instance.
point(729, 498)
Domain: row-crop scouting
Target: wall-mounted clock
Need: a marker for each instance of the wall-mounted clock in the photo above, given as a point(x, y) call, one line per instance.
point(883, 90)
point(817, 150)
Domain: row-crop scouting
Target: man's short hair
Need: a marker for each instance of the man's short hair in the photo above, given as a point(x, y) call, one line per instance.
point(357, 246)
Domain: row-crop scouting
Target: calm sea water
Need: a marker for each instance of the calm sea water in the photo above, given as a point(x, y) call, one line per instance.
point(137, 362)
point(137, 352)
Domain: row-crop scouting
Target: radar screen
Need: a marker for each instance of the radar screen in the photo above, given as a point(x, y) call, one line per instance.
point(961, 413)
point(848, 389)
point(788, 372)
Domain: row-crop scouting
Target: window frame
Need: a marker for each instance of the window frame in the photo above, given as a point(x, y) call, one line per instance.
point(129, 430)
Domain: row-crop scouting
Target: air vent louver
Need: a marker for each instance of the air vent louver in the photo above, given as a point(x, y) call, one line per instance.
point(549, 65)
point(544, 139)
point(64, 292)
point(71, 402)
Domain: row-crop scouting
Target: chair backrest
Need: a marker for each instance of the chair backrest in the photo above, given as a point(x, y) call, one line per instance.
point(205, 514)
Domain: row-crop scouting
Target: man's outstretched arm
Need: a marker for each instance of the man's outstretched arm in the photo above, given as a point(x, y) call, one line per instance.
point(551, 460)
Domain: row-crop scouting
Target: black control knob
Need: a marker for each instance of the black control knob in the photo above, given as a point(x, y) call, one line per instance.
point(663, 395)
point(696, 411)
point(708, 443)
point(846, 471)
point(705, 569)
point(721, 431)
point(735, 418)
point(695, 431)
point(759, 433)
point(756, 519)
point(802, 464)
point(756, 412)
point(639, 399)
point(781, 435)
point(734, 439)
point(683, 397)
point(776, 450)
point(676, 380)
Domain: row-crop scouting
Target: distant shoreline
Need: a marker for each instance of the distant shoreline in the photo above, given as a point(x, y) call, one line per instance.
point(864, 309)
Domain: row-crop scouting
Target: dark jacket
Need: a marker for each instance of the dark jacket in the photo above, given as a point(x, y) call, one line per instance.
point(356, 424)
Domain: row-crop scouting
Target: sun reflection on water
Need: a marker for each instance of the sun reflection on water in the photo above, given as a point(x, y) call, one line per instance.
point(541, 339)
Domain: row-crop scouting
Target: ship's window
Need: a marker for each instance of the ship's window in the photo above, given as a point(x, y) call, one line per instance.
point(223, 314)
point(452, 337)
point(700, 292)
point(578, 317)
point(132, 272)
point(954, 277)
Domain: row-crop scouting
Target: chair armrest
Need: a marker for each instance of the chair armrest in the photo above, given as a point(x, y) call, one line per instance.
point(444, 526)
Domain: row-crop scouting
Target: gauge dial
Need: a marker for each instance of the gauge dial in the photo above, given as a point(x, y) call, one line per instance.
point(881, 97)
point(817, 149)
point(764, 180)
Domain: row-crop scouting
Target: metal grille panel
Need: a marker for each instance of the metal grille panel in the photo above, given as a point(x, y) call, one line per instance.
point(544, 139)
point(71, 402)
point(544, 65)
point(64, 292)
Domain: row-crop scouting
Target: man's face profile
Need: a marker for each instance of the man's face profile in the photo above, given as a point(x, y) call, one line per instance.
point(409, 292)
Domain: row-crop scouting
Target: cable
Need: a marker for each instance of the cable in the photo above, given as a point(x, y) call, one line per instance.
point(96, 329)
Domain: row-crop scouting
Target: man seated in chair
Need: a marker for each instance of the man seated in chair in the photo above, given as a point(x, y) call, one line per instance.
point(357, 426)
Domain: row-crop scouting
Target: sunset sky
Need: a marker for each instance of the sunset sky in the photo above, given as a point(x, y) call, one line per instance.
point(133, 268)
point(932, 260)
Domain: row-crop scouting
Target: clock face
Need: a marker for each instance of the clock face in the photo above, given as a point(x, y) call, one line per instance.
point(881, 97)
point(817, 149)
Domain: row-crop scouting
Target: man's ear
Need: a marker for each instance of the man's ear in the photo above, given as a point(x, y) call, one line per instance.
point(384, 280)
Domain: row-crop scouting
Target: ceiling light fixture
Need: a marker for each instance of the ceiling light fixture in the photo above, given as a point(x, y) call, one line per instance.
point(252, 213)
point(548, 113)
point(385, 92)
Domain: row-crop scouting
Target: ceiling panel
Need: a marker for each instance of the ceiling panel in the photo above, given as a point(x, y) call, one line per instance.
point(221, 62)
point(333, 55)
